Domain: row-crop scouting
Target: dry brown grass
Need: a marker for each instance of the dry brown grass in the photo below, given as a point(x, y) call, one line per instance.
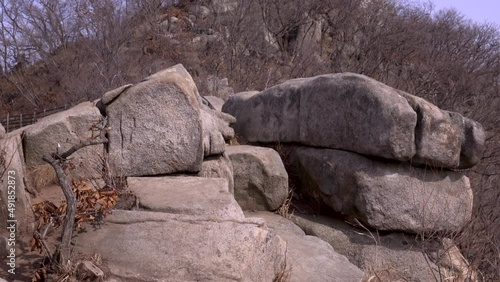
point(284, 210)
point(283, 275)
point(285, 272)
point(42, 176)
point(384, 275)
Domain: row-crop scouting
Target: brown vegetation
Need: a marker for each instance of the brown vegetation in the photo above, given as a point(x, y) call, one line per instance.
point(61, 52)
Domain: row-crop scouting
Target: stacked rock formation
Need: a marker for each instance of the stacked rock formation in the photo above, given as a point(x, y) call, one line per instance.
point(181, 227)
point(368, 150)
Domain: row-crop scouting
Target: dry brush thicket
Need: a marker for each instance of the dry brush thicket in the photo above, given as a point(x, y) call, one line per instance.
point(58, 52)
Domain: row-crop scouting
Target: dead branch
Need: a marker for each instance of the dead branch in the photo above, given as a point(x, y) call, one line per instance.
point(57, 162)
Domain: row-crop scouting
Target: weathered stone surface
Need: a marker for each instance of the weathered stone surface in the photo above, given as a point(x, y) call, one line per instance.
point(109, 96)
point(66, 129)
point(355, 113)
point(445, 139)
point(437, 136)
point(218, 167)
point(393, 257)
point(385, 195)
point(12, 186)
point(215, 102)
point(186, 195)
point(260, 178)
point(473, 145)
point(216, 130)
point(213, 141)
point(2, 131)
point(276, 223)
point(156, 126)
point(341, 111)
point(309, 258)
point(151, 246)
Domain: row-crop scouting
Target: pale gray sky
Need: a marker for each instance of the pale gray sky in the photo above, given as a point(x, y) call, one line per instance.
point(480, 11)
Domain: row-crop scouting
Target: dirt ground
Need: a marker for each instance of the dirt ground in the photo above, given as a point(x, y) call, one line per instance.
point(27, 262)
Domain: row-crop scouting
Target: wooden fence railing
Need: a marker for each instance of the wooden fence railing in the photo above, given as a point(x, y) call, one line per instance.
point(13, 122)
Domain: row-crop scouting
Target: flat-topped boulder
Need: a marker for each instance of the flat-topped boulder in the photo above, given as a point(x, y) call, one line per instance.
point(153, 246)
point(156, 126)
point(386, 195)
point(355, 113)
point(186, 195)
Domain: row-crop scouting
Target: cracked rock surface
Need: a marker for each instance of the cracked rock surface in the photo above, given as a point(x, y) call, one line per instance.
point(355, 113)
point(201, 235)
point(156, 126)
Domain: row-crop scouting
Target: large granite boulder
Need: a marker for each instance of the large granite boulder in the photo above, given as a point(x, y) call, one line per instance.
point(383, 194)
point(14, 200)
point(356, 113)
point(153, 246)
point(342, 111)
point(309, 258)
point(61, 131)
point(186, 195)
point(193, 230)
point(156, 126)
point(260, 178)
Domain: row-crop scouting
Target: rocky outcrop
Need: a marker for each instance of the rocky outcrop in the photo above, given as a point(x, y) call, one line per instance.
point(156, 126)
point(309, 258)
point(61, 131)
point(154, 246)
point(391, 257)
point(192, 228)
point(260, 179)
point(209, 197)
point(355, 113)
point(218, 167)
point(204, 235)
point(385, 195)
